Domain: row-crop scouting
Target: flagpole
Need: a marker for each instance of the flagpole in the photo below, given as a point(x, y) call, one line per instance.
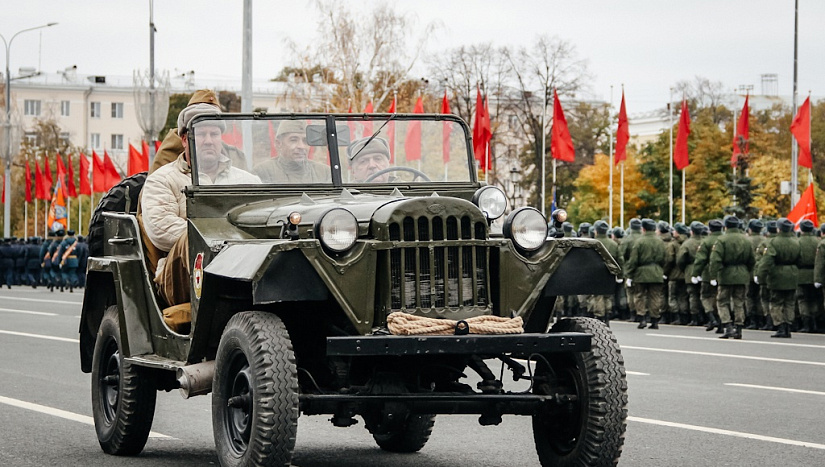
point(683, 197)
point(735, 143)
point(670, 178)
point(794, 145)
point(621, 197)
point(610, 162)
point(35, 216)
point(543, 156)
point(810, 140)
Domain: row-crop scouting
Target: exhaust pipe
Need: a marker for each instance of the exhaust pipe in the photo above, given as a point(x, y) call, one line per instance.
point(196, 380)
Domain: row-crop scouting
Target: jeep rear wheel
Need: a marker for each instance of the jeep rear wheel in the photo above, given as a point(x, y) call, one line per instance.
point(410, 438)
point(123, 396)
point(255, 392)
point(590, 431)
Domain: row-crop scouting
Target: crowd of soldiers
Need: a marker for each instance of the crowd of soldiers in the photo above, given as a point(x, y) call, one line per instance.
point(56, 262)
point(725, 275)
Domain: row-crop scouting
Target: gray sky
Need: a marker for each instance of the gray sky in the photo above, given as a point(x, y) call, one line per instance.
point(647, 45)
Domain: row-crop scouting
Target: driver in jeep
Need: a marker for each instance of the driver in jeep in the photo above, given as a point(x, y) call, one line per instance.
point(368, 157)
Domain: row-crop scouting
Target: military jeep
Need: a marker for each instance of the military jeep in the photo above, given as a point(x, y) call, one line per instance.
point(293, 283)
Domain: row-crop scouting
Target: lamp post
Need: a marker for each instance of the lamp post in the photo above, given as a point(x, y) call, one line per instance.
point(7, 132)
point(515, 178)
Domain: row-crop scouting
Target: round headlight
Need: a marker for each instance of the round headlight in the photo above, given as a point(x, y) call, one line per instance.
point(527, 228)
point(491, 201)
point(337, 229)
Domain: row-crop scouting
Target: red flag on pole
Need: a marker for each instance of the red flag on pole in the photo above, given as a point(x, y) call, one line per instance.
point(39, 185)
point(412, 144)
point(85, 186)
point(445, 130)
point(478, 145)
point(680, 152)
point(61, 169)
point(134, 164)
point(801, 130)
point(28, 183)
point(47, 177)
point(144, 149)
point(273, 151)
point(368, 124)
point(111, 175)
point(742, 130)
point(561, 144)
point(622, 135)
point(98, 175)
point(805, 208)
point(3, 181)
point(157, 146)
point(70, 186)
point(391, 132)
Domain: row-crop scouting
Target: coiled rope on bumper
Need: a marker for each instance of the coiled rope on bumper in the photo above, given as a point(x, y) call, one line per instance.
point(405, 324)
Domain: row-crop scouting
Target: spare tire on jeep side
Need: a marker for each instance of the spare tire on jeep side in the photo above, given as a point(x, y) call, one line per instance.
point(122, 197)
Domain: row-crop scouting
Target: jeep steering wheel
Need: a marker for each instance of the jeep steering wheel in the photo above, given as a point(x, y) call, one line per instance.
point(418, 174)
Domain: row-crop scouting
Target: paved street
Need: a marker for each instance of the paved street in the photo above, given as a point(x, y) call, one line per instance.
point(695, 400)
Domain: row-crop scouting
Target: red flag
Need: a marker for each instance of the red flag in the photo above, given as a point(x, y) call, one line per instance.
point(801, 129)
point(98, 175)
point(478, 145)
point(157, 146)
point(391, 132)
point(622, 135)
point(3, 181)
point(561, 144)
point(61, 169)
point(742, 130)
point(39, 192)
point(805, 208)
point(111, 175)
point(135, 161)
point(412, 144)
point(71, 191)
point(144, 150)
point(85, 187)
point(233, 137)
point(680, 152)
point(368, 124)
point(445, 130)
point(273, 151)
point(28, 183)
point(47, 177)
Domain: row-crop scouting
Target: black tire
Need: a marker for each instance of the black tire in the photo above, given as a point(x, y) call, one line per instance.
point(592, 434)
point(255, 392)
point(411, 438)
point(123, 395)
point(114, 201)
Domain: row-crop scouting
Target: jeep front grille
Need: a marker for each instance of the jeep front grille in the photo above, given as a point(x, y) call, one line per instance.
point(439, 263)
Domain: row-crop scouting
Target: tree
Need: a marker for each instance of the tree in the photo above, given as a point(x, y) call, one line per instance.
point(177, 102)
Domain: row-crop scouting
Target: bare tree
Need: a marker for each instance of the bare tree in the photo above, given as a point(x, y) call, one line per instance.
point(706, 95)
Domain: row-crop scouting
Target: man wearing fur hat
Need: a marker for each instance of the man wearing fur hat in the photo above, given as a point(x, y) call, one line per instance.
point(163, 204)
point(684, 260)
point(368, 156)
point(292, 165)
point(807, 296)
point(777, 269)
point(731, 263)
point(645, 276)
point(702, 275)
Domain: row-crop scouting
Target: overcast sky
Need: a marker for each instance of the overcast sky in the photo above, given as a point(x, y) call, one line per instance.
point(647, 45)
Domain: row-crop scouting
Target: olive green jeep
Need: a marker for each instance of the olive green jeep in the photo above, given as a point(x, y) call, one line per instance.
point(295, 283)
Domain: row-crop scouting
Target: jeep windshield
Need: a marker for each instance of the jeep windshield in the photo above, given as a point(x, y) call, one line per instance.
point(333, 150)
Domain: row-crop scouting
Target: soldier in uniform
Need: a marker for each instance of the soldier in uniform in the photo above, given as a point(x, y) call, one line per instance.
point(645, 276)
point(663, 230)
point(67, 257)
point(620, 309)
point(33, 261)
point(771, 230)
point(778, 271)
point(702, 275)
point(684, 260)
point(46, 261)
point(603, 304)
point(567, 228)
point(6, 263)
point(82, 260)
point(753, 305)
point(819, 267)
point(731, 264)
point(54, 273)
point(677, 290)
point(631, 235)
point(19, 260)
point(806, 293)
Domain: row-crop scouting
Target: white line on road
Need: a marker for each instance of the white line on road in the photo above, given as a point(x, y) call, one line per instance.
point(638, 373)
point(737, 434)
point(40, 336)
point(27, 312)
point(716, 339)
point(772, 388)
point(41, 300)
point(61, 413)
point(712, 354)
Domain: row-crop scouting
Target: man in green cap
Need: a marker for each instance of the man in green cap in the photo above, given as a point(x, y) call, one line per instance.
point(292, 166)
point(731, 263)
point(645, 276)
point(777, 269)
point(631, 235)
point(684, 260)
point(677, 289)
point(819, 270)
point(806, 293)
point(703, 276)
point(771, 230)
point(753, 305)
point(603, 304)
point(368, 157)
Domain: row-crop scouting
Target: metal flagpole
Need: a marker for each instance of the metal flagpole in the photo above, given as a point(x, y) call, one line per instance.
point(35, 216)
point(683, 197)
point(794, 144)
point(544, 156)
point(610, 162)
point(670, 178)
point(79, 215)
point(621, 197)
point(810, 140)
point(735, 143)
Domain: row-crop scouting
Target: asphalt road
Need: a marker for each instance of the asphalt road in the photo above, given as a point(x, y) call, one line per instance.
point(695, 400)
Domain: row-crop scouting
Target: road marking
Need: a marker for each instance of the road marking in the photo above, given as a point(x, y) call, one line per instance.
point(40, 336)
point(637, 373)
point(737, 434)
point(42, 300)
point(27, 312)
point(62, 413)
point(756, 386)
point(716, 339)
point(712, 354)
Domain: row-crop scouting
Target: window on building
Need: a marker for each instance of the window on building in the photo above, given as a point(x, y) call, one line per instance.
point(32, 138)
point(65, 106)
point(117, 141)
point(512, 122)
point(31, 107)
point(64, 137)
point(94, 140)
point(95, 110)
point(117, 109)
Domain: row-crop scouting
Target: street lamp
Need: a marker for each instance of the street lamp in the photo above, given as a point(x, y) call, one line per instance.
point(7, 132)
point(515, 178)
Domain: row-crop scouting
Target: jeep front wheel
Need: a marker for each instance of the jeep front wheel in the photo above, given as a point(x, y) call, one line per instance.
point(590, 430)
point(255, 392)
point(123, 395)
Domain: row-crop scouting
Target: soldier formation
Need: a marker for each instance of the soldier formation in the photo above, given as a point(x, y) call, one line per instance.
point(56, 262)
point(726, 276)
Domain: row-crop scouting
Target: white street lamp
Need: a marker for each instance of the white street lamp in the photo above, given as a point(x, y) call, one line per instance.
point(7, 132)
